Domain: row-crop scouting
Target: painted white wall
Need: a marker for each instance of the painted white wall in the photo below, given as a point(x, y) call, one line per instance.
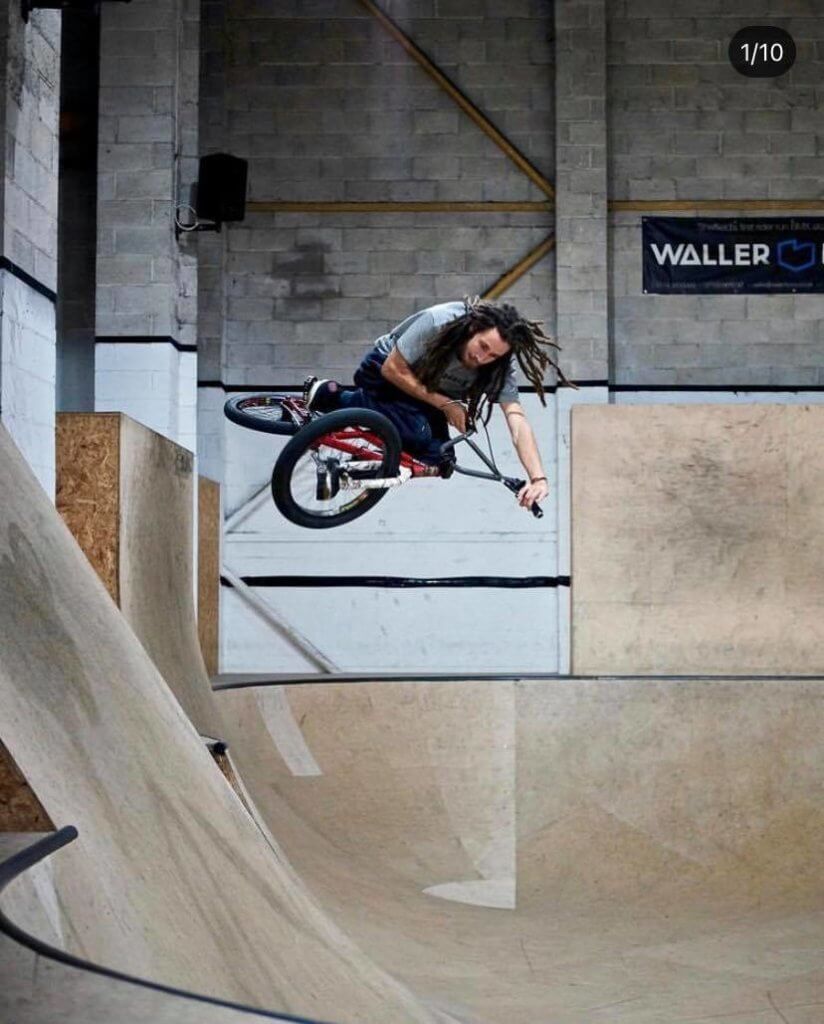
point(28, 374)
point(210, 433)
point(428, 528)
point(153, 382)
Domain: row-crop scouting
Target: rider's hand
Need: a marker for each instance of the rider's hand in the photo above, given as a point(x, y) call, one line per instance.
point(455, 416)
point(530, 493)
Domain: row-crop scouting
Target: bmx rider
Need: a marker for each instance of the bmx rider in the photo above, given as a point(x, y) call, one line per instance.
point(445, 366)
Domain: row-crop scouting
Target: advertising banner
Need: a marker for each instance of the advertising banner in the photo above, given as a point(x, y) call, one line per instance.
point(735, 255)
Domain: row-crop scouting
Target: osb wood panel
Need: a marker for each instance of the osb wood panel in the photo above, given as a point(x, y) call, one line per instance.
point(20, 810)
point(221, 759)
point(208, 571)
point(88, 488)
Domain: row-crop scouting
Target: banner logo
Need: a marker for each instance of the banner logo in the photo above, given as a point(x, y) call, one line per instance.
point(684, 255)
point(795, 255)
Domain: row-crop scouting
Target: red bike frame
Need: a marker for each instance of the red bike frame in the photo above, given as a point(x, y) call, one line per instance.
point(344, 441)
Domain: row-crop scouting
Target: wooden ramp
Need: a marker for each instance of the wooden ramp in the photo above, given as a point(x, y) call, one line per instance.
point(570, 851)
point(574, 850)
point(170, 879)
point(128, 496)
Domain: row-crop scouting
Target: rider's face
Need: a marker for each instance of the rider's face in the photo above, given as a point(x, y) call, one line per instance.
point(484, 347)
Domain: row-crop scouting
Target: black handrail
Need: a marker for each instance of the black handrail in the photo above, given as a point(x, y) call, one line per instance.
point(15, 865)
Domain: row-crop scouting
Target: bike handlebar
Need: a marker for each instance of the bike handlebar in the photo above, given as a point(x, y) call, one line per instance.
point(515, 486)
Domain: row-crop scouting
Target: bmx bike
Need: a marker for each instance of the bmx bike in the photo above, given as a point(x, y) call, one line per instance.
point(338, 465)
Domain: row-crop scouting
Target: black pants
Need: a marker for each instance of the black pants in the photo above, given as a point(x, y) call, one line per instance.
point(423, 429)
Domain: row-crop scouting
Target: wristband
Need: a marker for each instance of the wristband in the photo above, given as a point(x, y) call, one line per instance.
point(535, 479)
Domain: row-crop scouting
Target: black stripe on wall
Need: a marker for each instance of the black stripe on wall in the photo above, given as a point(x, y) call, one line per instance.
point(406, 582)
point(775, 389)
point(143, 339)
point(32, 282)
point(549, 389)
point(734, 389)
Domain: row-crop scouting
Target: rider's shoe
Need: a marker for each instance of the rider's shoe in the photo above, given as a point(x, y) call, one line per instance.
point(447, 467)
point(321, 395)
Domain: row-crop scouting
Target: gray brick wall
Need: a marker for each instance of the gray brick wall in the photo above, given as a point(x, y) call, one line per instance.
point(210, 247)
point(683, 124)
point(32, 62)
point(581, 187)
point(30, 59)
point(187, 136)
point(316, 289)
point(147, 154)
point(326, 106)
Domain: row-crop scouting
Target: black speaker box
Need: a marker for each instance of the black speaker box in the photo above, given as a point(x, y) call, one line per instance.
point(221, 188)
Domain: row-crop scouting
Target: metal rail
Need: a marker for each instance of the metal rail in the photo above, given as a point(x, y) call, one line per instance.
point(290, 634)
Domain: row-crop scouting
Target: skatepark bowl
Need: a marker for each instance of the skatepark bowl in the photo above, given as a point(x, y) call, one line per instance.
point(618, 845)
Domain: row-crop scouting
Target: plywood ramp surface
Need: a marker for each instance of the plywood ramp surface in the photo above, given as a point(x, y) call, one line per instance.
point(210, 525)
point(128, 496)
point(170, 878)
point(560, 850)
point(698, 539)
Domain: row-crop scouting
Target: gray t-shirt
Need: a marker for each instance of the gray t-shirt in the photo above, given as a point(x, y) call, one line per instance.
point(416, 332)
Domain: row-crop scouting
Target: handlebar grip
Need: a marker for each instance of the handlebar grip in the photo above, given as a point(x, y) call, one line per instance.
point(515, 486)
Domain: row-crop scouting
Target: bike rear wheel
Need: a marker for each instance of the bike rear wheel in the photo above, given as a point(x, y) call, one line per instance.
point(270, 413)
point(310, 481)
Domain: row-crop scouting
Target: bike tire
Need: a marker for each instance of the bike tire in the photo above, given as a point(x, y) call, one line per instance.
point(310, 435)
point(259, 412)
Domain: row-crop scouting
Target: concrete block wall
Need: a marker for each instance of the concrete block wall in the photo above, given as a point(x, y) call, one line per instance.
point(683, 124)
point(581, 187)
point(29, 55)
point(387, 268)
point(326, 106)
point(30, 202)
point(146, 301)
point(28, 374)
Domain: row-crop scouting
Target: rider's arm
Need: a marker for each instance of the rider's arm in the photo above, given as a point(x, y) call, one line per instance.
point(397, 371)
point(527, 448)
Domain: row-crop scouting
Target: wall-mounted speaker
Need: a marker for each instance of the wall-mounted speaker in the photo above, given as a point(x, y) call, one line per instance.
point(221, 188)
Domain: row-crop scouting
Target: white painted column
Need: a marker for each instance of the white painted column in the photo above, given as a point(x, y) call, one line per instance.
point(146, 305)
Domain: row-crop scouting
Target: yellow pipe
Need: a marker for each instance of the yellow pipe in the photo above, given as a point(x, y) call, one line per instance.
point(466, 105)
point(289, 206)
point(504, 283)
point(690, 205)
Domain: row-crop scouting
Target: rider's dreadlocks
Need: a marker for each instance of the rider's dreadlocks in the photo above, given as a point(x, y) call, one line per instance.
point(525, 337)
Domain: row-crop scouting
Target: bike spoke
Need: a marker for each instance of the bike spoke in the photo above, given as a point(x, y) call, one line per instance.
point(304, 481)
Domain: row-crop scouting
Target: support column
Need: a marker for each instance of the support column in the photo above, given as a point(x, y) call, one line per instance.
point(29, 105)
point(212, 267)
point(581, 187)
point(581, 251)
point(146, 279)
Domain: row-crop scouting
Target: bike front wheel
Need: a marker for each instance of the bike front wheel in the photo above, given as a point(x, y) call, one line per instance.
point(314, 482)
